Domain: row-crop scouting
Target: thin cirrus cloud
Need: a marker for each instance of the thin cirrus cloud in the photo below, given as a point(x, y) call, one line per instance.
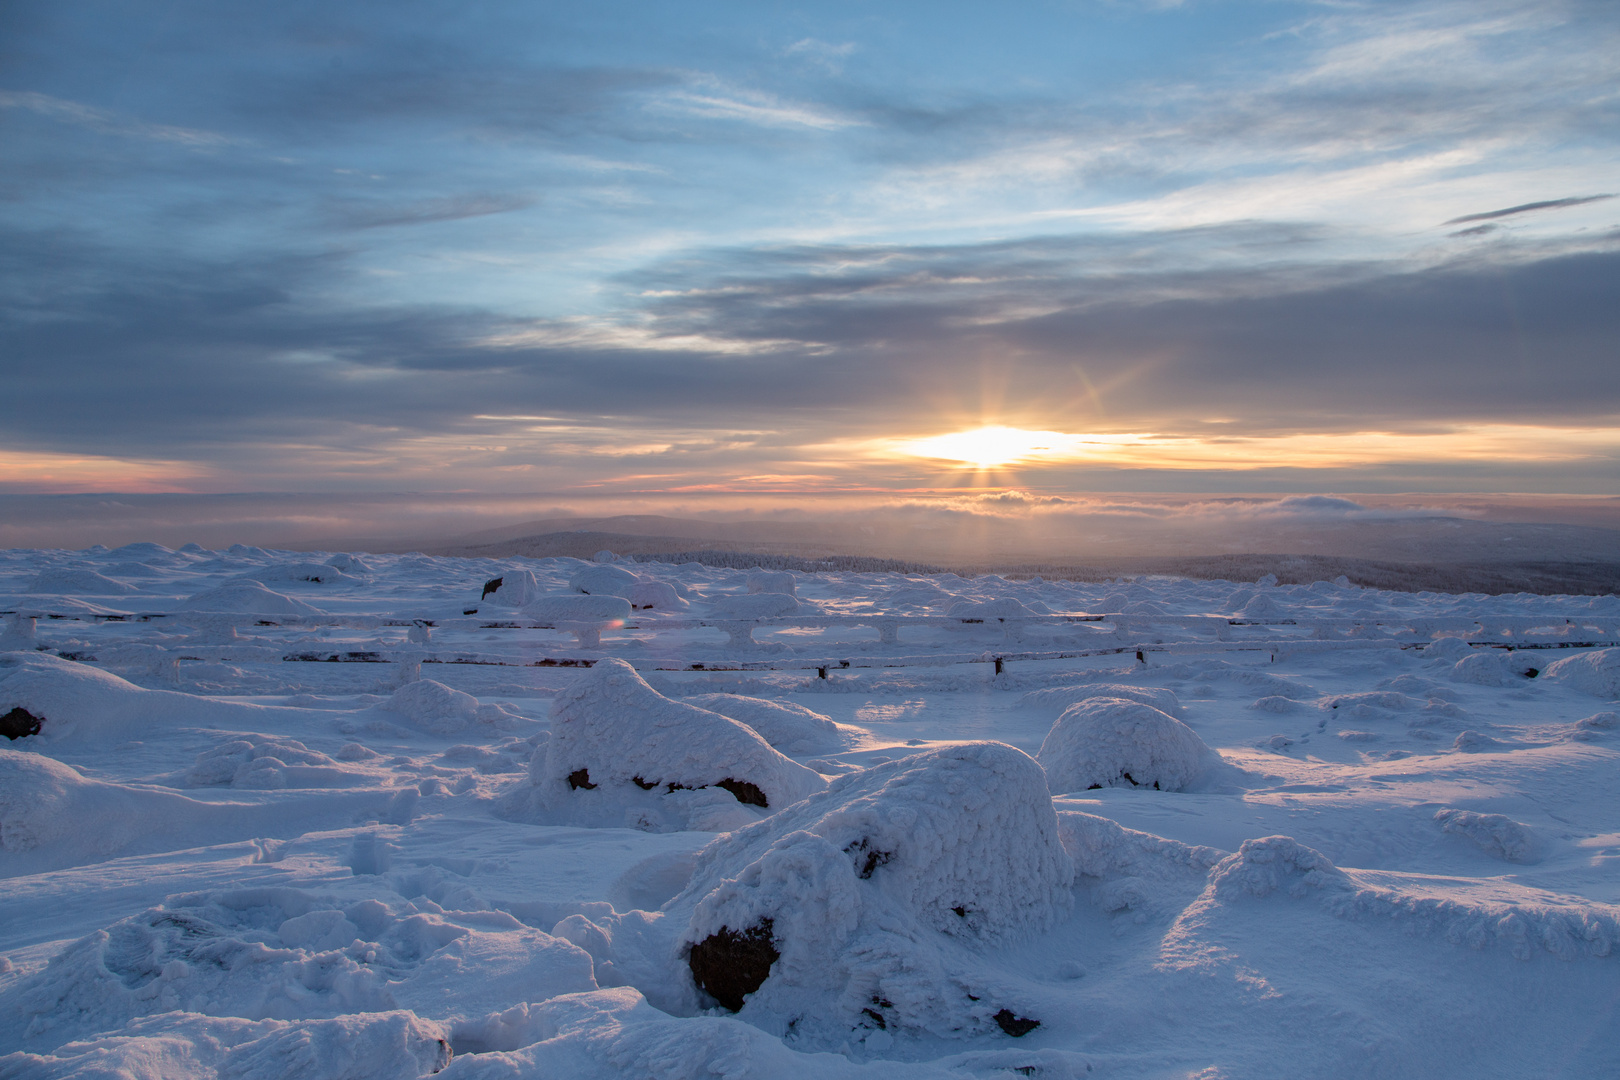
point(738, 250)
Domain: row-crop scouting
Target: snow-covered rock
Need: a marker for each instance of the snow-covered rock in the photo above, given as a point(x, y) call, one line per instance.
point(513, 589)
point(1112, 742)
point(1059, 698)
point(617, 745)
point(772, 581)
point(659, 595)
point(875, 893)
point(76, 582)
point(603, 580)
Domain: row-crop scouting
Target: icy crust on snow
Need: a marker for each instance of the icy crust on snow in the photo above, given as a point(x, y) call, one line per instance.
point(189, 1046)
point(877, 890)
point(288, 954)
point(792, 729)
point(1281, 866)
point(1596, 672)
point(619, 747)
point(1112, 742)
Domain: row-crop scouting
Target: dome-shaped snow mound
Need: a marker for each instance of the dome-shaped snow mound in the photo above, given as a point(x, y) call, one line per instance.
point(613, 735)
point(603, 581)
point(1059, 698)
point(791, 728)
point(1596, 672)
point(862, 892)
point(1111, 742)
point(67, 582)
point(434, 706)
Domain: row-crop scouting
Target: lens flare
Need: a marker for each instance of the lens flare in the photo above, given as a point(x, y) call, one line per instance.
point(987, 447)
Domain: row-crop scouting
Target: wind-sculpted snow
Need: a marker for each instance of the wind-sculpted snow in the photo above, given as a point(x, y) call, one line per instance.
point(246, 597)
point(1596, 673)
point(1059, 698)
point(792, 729)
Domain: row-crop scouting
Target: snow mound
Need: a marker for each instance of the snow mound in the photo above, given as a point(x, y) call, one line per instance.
point(792, 729)
point(868, 892)
point(1497, 668)
point(924, 595)
point(661, 595)
point(349, 563)
point(246, 597)
point(755, 605)
point(1494, 834)
point(319, 573)
point(772, 581)
point(1112, 742)
point(1588, 728)
point(1060, 698)
point(1263, 606)
point(1596, 672)
point(514, 589)
point(1447, 648)
point(65, 582)
point(577, 608)
point(615, 741)
point(186, 1046)
point(434, 707)
point(1133, 871)
point(267, 763)
point(1004, 607)
point(603, 580)
point(280, 952)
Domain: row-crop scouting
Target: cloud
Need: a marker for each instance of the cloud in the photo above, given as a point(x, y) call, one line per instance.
point(373, 214)
point(1548, 204)
point(108, 122)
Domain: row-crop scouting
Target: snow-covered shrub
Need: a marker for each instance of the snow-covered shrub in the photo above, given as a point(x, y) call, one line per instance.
point(867, 893)
point(1496, 667)
point(320, 573)
point(433, 706)
point(1112, 742)
point(660, 595)
point(616, 744)
point(1494, 834)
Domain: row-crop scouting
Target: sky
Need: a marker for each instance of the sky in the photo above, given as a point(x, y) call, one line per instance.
point(655, 252)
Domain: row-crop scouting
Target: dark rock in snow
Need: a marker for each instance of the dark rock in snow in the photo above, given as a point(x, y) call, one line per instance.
point(1016, 1026)
point(747, 794)
point(19, 722)
point(729, 965)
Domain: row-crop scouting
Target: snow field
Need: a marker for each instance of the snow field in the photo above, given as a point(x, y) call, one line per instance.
point(1344, 842)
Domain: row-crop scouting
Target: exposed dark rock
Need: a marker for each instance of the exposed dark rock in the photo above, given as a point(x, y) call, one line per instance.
point(492, 585)
point(748, 794)
point(580, 778)
point(642, 784)
point(873, 858)
point(19, 722)
point(730, 965)
point(1016, 1026)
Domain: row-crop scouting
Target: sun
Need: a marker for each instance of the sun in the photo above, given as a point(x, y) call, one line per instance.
point(988, 447)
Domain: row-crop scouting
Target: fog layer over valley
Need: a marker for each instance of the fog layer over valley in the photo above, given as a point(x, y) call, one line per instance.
point(270, 813)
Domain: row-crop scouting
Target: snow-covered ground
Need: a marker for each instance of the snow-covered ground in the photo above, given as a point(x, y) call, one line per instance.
point(367, 816)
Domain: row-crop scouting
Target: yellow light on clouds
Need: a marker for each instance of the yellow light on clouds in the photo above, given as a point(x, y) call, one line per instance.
point(995, 446)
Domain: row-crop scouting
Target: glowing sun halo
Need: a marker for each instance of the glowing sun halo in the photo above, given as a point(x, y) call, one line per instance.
point(987, 447)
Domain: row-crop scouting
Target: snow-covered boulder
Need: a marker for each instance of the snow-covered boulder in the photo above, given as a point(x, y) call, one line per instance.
point(1112, 742)
point(755, 605)
point(434, 707)
point(603, 580)
point(1494, 834)
point(76, 582)
point(247, 598)
point(1596, 672)
point(1496, 667)
point(349, 563)
point(618, 747)
point(1059, 698)
point(513, 589)
point(772, 581)
point(791, 728)
point(659, 595)
point(851, 908)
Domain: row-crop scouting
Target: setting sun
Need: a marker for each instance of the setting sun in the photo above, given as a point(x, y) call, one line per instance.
point(987, 447)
